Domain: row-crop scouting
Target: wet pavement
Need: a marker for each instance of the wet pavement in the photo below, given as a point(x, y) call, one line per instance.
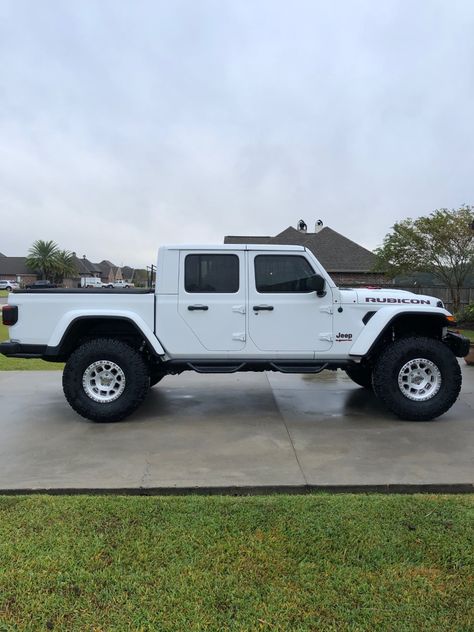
point(248, 430)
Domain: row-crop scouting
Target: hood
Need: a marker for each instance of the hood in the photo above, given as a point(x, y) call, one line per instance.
point(388, 297)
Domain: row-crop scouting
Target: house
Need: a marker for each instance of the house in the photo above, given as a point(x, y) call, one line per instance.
point(109, 273)
point(15, 268)
point(348, 263)
point(128, 274)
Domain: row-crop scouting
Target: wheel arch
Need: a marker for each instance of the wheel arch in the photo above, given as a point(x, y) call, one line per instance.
point(383, 328)
point(86, 327)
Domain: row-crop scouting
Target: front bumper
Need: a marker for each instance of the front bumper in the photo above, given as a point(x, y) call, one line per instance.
point(458, 344)
point(18, 350)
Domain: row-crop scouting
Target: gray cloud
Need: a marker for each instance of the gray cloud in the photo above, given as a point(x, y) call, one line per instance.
point(127, 125)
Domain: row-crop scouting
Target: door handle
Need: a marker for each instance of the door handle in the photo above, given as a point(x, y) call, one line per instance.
point(193, 308)
point(263, 308)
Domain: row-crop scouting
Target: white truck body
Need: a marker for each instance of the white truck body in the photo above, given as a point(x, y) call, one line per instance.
point(229, 307)
point(91, 282)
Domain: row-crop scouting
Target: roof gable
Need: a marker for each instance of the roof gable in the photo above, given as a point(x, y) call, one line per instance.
point(335, 252)
point(338, 253)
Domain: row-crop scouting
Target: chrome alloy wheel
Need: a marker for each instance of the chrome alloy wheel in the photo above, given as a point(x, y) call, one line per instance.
point(419, 379)
point(103, 381)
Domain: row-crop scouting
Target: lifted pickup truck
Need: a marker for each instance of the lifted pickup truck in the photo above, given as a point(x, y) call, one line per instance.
point(222, 309)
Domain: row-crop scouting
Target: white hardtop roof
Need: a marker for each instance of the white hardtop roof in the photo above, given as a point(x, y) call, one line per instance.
point(234, 247)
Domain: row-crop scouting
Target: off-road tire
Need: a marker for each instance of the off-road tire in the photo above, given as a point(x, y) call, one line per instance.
point(394, 357)
point(131, 363)
point(361, 375)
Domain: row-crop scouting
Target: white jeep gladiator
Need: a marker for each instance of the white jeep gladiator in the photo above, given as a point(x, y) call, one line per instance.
point(228, 308)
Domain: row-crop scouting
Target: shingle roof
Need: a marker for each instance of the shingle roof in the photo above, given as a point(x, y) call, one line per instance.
point(104, 266)
point(14, 265)
point(335, 252)
point(2, 255)
point(84, 266)
point(127, 272)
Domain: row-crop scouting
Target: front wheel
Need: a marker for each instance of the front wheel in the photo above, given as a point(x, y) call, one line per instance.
point(417, 378)
point(105, 380)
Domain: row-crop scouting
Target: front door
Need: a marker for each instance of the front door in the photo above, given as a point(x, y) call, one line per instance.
point(212, 300)
point(283, 315)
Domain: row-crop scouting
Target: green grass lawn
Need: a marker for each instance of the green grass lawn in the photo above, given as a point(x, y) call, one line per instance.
point(468, 333)
point(4, 293)
point(314, 562)
point(15, 364)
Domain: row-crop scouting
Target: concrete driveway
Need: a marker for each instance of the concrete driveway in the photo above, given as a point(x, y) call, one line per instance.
point(246, 431)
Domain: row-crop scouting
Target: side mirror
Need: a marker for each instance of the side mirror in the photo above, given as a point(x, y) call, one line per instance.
point(316, 284)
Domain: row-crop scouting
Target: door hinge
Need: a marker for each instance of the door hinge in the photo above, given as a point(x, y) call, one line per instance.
point(240, 309)
point(328, 337)
point(239, 336)
point(327, 309)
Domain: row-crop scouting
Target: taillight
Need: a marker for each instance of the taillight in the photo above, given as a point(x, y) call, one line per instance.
point(9, 315)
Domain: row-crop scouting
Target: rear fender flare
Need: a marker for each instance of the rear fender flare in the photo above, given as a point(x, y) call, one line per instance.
point(61, 330)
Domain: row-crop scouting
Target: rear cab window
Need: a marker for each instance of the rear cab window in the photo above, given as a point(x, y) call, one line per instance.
point(211, 273)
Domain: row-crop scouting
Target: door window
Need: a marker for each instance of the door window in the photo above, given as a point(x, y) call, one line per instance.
point(211, 274)
point(282, 273)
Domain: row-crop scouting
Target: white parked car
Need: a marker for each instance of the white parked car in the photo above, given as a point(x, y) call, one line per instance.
point(9, 285)
point(119, 284)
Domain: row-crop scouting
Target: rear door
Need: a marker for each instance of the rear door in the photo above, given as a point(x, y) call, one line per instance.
point(212, 299)
point(284, 315)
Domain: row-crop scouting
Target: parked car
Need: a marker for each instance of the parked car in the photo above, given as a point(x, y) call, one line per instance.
point(9, 285)
point(119, 284)
point(40, 285)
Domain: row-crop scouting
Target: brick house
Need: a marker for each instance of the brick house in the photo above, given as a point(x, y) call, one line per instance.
point(348, 263)
point(109, 273)
point(15, 269)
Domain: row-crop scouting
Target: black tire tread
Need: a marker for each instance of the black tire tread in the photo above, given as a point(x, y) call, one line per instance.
point(132, 362)
point(385, 382)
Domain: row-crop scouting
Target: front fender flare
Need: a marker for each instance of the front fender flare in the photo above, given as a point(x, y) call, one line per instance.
point(383, 318)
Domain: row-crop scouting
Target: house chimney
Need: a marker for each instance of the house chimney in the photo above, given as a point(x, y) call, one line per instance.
point(301, 226)
point(318, 226)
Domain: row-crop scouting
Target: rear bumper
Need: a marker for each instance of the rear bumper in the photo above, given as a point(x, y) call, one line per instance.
point(18, 350)
point(458, 344)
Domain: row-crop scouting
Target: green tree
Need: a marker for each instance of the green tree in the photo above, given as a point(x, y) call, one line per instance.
point(441, 243)
point(42, 256)
point(64, 265)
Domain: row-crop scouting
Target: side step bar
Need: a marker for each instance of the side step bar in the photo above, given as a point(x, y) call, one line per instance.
point(226, 366)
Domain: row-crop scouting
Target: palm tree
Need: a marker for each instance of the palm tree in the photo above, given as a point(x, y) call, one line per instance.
point(42, 256)
point(64, 265)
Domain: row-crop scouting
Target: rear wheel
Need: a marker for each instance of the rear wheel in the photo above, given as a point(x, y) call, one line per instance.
point(417, 378)
point(105, 380)
point(361, 375)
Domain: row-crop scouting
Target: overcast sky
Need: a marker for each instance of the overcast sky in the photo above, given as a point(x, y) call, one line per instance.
point(125, 124)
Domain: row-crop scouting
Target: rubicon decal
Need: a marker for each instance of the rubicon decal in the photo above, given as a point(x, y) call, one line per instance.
point(410, 301)
point(343, 337)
